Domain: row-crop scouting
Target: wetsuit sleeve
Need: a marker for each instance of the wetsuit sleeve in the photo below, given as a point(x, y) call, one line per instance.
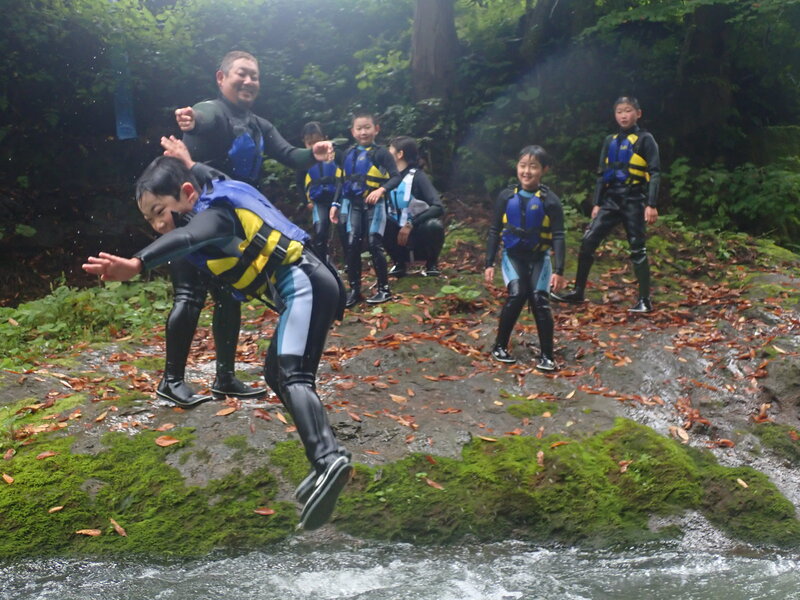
point(275, 146)
point(215, 226)
point(601, 166)
point(206, 174)
point(206, 139)
point(651, 155)
point(423, 189)
point(383, 158)
point(496, 226)
point(555, 210)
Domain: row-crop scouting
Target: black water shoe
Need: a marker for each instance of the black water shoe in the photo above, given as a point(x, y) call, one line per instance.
point(571, 297)
point(644, 305)
point(230, 386)
point(501, 354)
point(327, 487)
point(382, 295)
point(431, 271)
point(353, 298)
point(398, 271)
point(178, 392)
point(546, 364)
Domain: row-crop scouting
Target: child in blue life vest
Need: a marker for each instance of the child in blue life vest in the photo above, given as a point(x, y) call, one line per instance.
point(365, 167)
point(529, 219)
point(322, 184)
point(626, 192)
point(414, 228)
point(229, 231)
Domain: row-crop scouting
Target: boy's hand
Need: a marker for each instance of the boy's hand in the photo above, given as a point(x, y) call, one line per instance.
point(334, 215)
point(113, 268)
point(185, 118)
point(177, 149)
point(374, 196)
point(557, 282)
point(650, 214)
point(488, 275)
point(323, 151)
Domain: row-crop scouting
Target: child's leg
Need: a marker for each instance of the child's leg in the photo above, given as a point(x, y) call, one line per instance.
point(322, 228)
point(517, 280)
point(398, 253)
point(540, 305)
point(189, 295)
point(356, 226)
point(376, 215)
point(633, 215)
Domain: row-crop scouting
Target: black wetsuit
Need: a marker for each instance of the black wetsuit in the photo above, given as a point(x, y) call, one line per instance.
point(427, 230)
point(624, 203)
point(527, 273)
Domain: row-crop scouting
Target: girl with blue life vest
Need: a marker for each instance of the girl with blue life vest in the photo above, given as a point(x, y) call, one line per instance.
point(626, 192)
point(231, 232)
point(414, 209)
point(529, 219)
point(322, 184)
point(365, 167)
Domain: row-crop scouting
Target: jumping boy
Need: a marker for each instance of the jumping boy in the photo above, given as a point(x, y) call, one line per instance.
point(365, 166)
point(232, 233)
point(626, 192)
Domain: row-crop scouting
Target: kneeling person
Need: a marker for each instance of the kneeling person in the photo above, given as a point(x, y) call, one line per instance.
point(233, 233)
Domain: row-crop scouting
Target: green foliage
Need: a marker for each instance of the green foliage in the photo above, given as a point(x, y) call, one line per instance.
point(760, 199)
point(68, 316)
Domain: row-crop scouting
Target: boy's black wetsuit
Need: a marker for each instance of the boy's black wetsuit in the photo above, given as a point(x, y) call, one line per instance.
point(234, 140)
point(427, 230)
point(623, 190)
point(322, 184)
point(526, 270)
point(235, 237)
point(364, 170)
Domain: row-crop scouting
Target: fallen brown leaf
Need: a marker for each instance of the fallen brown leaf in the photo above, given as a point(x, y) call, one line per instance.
point(433, 484)
point(90, 532)
point(226, 411)
point(166, 440)
point(55, 509)
point(118, 528)
point(46, 454)
point(264, 511)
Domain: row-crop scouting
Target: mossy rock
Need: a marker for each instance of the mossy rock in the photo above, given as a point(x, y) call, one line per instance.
point(783, 440)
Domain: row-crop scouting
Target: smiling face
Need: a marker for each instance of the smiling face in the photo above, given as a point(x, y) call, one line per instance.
point(364, 130)
point(240, 84)
point(157, 210)
point(626, 115)
point(529, 172)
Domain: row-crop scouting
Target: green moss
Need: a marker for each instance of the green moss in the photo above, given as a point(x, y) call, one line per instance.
point(599, 490)
point(779, 439)
point(291, 458)
point(131, 483)
point(532, 408)
point(149, 363)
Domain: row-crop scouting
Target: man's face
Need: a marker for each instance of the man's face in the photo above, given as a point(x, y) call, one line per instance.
point(240, 84)
point(364, 131)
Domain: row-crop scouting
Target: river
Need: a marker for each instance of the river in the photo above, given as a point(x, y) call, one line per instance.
point(352, 569)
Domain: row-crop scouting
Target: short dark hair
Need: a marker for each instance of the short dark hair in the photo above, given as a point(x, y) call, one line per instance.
point(312, 128)
point(364, 114)
point(408, 146)
point(233, 55)
point(538, 153)
point(627, 100)
point(164, 177)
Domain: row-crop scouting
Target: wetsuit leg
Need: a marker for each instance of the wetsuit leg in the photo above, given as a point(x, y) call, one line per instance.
point(517, 278)
point(376, 216)
point(356, 226)
point(306, 289)
point(595, 233)
point(322, 228)
point(633, 211)
point(540, 304)
point(428, 242)
point(189, 294)
point(398, 253)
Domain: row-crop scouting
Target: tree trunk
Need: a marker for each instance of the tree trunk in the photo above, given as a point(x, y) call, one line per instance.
point(434, 49)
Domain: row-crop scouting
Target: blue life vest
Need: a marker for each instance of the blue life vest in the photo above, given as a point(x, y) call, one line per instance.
point(361, 175)
point(526, 226)
point(245, 157)
point(270, 240)
point(321, 181)
point(623, 162)
point(400, 198)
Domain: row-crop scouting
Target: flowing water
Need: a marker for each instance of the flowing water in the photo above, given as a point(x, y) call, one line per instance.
point(299, 570)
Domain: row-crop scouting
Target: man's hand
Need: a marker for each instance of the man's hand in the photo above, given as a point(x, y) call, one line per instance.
point(595, 210)
point(488, 275)
point(177, 149)
point(334, 215)
point(113, 268)
point(375, 195)
point(185, 118)
point(557, 282)
point(650, 214)
point(404, 234)
point(323, 151)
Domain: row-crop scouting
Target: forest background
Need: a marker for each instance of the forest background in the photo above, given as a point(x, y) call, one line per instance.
point(473, 80)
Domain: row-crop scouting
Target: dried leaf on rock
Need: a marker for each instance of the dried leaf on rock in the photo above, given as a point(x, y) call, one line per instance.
point(225, 411)
point(166, 440)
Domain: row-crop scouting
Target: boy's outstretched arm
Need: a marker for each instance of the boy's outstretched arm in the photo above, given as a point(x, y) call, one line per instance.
point(113, 268)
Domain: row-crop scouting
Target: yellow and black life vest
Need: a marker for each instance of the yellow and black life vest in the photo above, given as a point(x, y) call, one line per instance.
point(526, 226)
point(623, 162)
point(361, 175)
point(270, 240)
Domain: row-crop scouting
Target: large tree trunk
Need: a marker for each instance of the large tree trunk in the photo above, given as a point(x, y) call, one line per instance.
point(434, 49)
